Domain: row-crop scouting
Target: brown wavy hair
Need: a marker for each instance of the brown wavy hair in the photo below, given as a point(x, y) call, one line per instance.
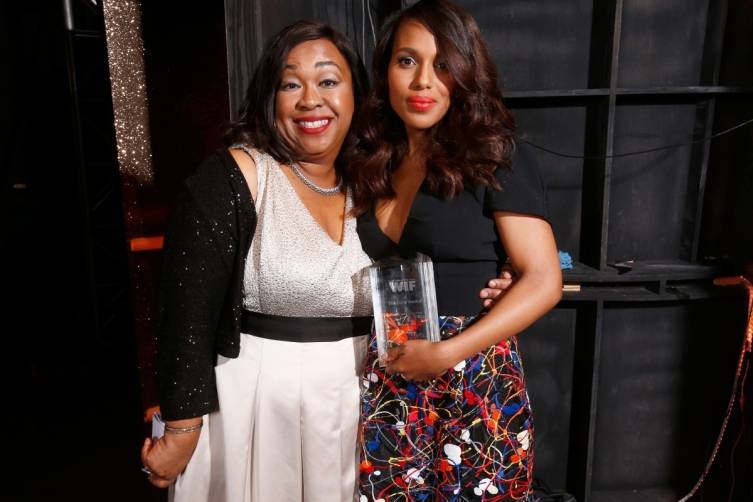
point(476, 135)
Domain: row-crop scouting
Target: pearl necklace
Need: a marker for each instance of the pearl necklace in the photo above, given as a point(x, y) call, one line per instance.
point(313, 186)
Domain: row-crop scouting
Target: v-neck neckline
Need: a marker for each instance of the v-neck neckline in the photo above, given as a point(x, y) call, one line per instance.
point(305, 209)
point(397, 245)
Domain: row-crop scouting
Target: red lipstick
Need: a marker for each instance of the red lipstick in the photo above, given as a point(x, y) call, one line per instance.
point(421, 103)
point(312, 125)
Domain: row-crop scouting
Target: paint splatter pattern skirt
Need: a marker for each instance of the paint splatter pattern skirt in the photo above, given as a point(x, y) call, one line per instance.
point(466, 435)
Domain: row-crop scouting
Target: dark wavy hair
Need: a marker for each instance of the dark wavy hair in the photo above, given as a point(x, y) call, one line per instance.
point(476, 135)
point(256, 123)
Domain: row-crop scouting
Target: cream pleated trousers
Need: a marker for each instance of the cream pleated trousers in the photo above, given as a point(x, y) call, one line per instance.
point(286, 429)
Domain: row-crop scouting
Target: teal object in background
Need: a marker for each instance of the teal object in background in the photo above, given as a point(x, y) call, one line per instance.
point(566, 261)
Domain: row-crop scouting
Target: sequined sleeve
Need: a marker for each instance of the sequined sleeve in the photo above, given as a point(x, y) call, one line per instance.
point(192, 288)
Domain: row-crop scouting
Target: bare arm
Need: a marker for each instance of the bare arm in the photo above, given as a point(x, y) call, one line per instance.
point(530, 244)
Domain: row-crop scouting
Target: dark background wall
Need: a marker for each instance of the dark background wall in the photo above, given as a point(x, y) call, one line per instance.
point(629, 377)
point(65, 312)
point(615, 372)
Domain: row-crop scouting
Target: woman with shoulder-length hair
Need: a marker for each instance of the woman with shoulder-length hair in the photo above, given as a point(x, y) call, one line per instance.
point(436, 174)
point(264, 306)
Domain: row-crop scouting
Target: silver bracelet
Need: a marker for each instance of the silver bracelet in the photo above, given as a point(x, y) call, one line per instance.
point(183, 430)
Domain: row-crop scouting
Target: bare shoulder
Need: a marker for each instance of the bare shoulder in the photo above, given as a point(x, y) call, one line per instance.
point(247, 166)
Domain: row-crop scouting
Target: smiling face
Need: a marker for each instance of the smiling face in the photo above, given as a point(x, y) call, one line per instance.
point(420, 83)
point(314, 103)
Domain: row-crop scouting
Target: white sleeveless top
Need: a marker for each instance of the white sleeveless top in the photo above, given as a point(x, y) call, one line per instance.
point(293, 267)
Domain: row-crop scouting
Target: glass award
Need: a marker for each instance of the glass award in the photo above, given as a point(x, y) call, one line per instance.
point(405, 301)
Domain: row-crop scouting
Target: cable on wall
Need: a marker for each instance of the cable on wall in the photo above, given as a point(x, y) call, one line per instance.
point(639, 152)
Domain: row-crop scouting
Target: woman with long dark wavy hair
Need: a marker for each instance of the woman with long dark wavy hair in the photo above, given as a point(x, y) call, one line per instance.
point(437, 174)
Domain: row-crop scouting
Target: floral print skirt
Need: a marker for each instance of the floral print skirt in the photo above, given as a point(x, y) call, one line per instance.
point(466, 435)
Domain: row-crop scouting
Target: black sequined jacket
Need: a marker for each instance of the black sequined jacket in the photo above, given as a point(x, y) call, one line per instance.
point(201, 295)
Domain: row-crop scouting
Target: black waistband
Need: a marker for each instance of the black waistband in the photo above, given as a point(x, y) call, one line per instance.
point(304, 329)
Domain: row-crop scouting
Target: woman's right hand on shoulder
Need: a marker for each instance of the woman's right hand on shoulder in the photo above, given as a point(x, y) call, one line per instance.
point(166, 457)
